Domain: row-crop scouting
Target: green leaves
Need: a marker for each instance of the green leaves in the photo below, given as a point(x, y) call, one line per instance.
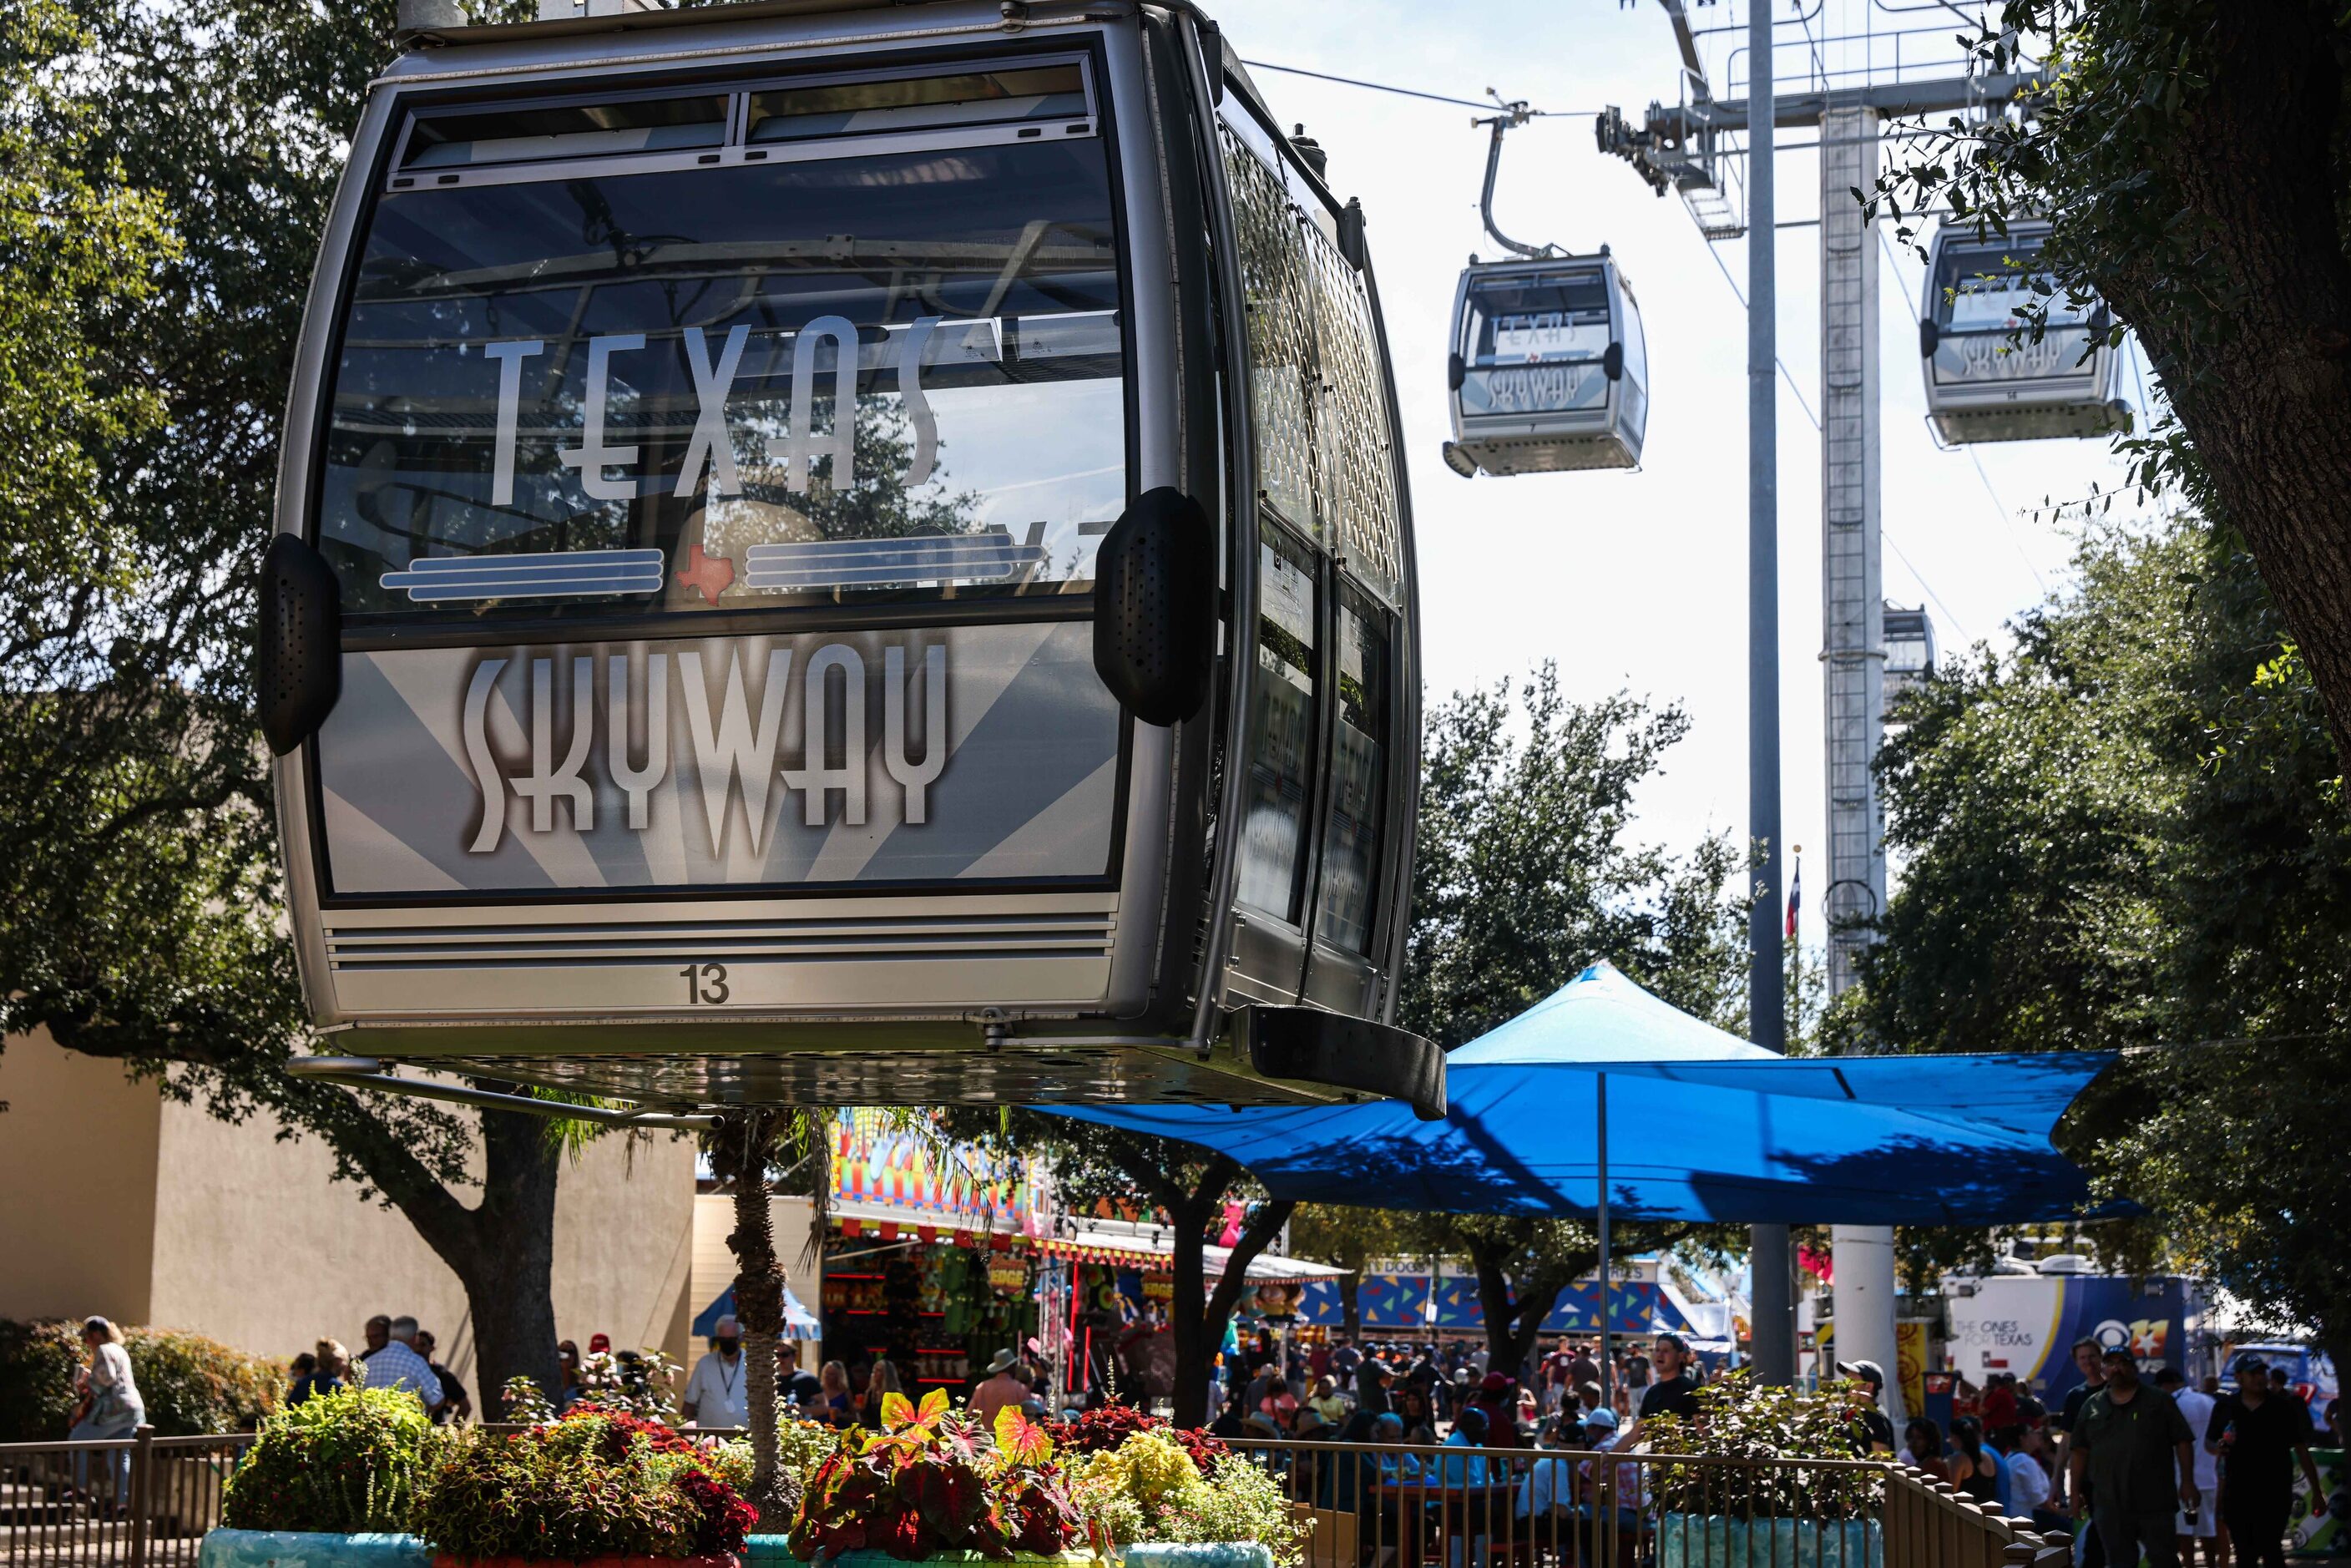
point(1523, 875)
point(2132, 832)
point(350, 1460)
point(1021, 1440)
point(925, 1486)
point(1741, 1419)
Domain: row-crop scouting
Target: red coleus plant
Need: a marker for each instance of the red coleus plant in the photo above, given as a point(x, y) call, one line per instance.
point(930, 1482)
point(1108, 1425)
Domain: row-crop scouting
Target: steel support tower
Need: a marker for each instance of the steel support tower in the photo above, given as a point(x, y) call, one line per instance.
point(1853, 589)
point(1689, 147)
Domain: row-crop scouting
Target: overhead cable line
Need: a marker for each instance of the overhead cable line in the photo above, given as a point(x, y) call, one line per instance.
point(1785, 374)
point(1921, 578)
point(1410, 91)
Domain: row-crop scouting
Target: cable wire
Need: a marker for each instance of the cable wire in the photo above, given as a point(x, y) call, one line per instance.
point(1411, 92)
point(1888, 540)
point(1785, 374)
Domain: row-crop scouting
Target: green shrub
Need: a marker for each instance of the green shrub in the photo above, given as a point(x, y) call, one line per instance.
point(1740, 1419)
point(350, 1460)
point(1150, 1488)
point(592, 1485)
point(802, 1446)
point(36, 1380)
point(192, 1386)
point(195, 1386)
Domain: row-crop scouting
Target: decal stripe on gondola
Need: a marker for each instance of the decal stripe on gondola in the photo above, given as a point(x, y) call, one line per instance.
point(553, 574)
point(987, 558)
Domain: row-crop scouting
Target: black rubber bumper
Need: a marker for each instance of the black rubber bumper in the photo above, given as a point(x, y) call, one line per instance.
point(1345, 1052)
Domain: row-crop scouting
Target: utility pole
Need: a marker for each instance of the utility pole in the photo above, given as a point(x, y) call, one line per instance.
point(1772, 1269)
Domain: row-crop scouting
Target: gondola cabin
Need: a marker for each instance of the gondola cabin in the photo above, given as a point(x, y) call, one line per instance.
point(1549, 370)
point(847, 555)
point(1981, 385)
point(1909, 647)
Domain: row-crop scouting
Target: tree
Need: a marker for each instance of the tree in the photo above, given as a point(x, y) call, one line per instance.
point(742, 1150)
point(1522, 876)
point(2131, 830)
point(1350, 1238)
point(2190, 157)
point(1522, 1265)
point(163, 180)
point(1188, 1186)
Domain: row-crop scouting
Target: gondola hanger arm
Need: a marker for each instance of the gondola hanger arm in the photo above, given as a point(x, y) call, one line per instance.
point(1514, 113)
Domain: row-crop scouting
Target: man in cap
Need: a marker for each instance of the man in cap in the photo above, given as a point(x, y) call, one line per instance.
point(2259, 1433)
point(716, 1394)
point(2134, 1447)
point(1873, 1431)
point(1002, 1388)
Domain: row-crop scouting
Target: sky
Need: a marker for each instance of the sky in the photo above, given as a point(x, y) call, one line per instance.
point(1637, 580)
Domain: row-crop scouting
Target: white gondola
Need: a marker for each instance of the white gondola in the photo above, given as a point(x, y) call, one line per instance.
point(844, 554)
point(1549, 370)
point(1981, 386)
point(1909, 647)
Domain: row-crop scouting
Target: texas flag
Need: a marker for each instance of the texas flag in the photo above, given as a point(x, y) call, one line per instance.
point(1795, 898)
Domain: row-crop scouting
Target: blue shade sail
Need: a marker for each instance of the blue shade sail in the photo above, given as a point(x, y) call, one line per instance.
point(1702, 1126)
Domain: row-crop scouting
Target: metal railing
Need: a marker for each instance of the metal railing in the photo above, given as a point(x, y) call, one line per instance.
point(146, 1501)
point(142, 1501)
point(1409, 1506)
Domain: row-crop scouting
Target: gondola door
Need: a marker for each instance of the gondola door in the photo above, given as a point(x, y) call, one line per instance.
point(1324, 826)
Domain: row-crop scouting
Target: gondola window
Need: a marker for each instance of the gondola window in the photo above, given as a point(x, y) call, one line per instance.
point(871, 350)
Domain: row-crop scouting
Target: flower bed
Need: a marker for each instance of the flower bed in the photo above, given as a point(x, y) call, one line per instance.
point(1151, 1499)
point(929, 1484)
point(362, 1478)
point(586, 1488)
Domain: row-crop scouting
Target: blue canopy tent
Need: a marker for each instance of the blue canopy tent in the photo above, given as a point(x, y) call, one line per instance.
point(1709, 1127)
point(1704, 1127)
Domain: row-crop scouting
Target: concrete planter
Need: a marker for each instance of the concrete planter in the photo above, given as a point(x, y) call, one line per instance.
point(309, 1549)
point(1710, 1540)
point(775, 1552)
point(771, 1551)
point(1198, 1554)
point(324, 1548)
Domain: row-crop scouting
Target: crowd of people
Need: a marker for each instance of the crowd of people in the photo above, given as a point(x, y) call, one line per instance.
point(395, 1353)
point(1338, 1391)
point(2130, 1465)
point(839, 1393)
point(2139, 1466)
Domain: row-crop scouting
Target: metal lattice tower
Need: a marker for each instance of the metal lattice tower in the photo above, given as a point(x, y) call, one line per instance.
point(1853, 598)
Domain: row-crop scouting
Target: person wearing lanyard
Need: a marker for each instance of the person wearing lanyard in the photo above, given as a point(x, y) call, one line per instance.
point(714, 1395)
